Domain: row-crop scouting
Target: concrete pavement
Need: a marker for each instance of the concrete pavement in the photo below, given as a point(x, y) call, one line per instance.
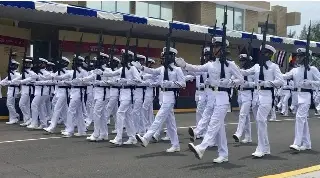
point(33, 154)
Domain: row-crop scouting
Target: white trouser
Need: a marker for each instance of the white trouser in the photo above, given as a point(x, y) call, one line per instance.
point(11, 103)
point(100, 121)
point(202, 125)
point(201, 105)
point(273, 115)
point(48, 106)
point(244, 125)
point(124, 117)
point(38, 110)
point(147, 111)
point(262, 128)
point(138, 121)
point(89, 107)
point(294, 101)
point(216, 131)
point(54, 101)
point(60, 110)
point(280, 102)
point(24, 104)
point(165, 113)
point(75, 116)
point(111, 106)
point(302, 134)
point(285, 108)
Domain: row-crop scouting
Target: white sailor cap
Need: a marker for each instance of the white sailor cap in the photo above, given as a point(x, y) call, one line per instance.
point(91, 63)
point(141, 56)
point(27, 60)
point(43, 60)
point(116, 59)
point(94, 58)
point(244, 56)
point(303, 50)
point(129, 52)
point(50, 63)
point(170, 50)
point(14, 62)
point(151, 60)
point(206, 49)
point(219, 40)
point(65, 59)
point(81, 58)
point(269, 47)
point(104, 55)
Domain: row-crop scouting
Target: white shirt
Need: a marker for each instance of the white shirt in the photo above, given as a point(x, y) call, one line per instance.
point(5, 81)
point(214, 70)
point(297, 74)
point(273, 74)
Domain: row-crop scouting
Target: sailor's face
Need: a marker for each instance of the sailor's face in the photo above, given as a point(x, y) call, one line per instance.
point(216, 50)
point(14, 66)
point(28, 64)
point(300, 58)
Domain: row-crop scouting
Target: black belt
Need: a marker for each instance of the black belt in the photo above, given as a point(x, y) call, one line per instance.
point(168, 89)
point(14, 89)
point(200, 89)
point(67, 87)
point(176, 94)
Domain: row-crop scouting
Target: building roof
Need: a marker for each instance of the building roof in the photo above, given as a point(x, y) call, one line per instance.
point(92, 18)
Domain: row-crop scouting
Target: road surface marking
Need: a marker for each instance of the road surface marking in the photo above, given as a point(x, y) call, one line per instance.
point(294, 173)
point(30, 139)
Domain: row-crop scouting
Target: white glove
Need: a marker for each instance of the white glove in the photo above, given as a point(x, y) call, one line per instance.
point(207, 82)
point(67, 82)
point(122, 81)
point(224, 82)
point(180, 62)
point(131, 82)
point(307, 83)
point(189, 78)
point(261, 83)
point(231, 83)
point(137, 65)
point(98, 71)
point(16, 82)
point(167, 84)
point(201, 85)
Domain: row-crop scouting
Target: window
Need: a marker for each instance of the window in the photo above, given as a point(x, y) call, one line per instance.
point(110, 6)
point(155, 9)
point(235, 17)
point(271, 28)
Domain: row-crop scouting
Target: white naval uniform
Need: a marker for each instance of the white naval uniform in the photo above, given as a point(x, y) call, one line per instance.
point(75, 109)
point(138, 121)
point(38, 107)
point(101, 99)
point(302, 134)
point(286, 92)
point(60, 107)
point(245, 96)
point(264, 101)
point(166, 112)
point(147, 106)
point(12, 93)
point(201, 96)
point(125, 108)
point(219, 100)
point(26, 92)
point(48, 104)
point(89, 105)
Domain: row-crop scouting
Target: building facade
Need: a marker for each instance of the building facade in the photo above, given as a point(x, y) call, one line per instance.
point(18, 29)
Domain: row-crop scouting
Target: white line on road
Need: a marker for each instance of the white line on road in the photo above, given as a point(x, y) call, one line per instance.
point(30, 139)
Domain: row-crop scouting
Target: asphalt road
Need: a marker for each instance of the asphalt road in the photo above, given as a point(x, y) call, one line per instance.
point(53, 156)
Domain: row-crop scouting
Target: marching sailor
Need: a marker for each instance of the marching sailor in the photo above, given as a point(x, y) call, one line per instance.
point(286, 92)
point(304, 77)
point(61, 94)
point(13, 90)
point(267, 76)
point(245, 96)
point(220, 72)
point(171, 79)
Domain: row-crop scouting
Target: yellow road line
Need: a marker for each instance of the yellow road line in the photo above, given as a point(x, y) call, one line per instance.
point(295, 172)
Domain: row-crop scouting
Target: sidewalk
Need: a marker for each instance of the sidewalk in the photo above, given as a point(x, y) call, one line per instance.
point(315, 174)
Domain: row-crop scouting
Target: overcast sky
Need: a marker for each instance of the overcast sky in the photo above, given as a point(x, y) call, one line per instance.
point(309, 11)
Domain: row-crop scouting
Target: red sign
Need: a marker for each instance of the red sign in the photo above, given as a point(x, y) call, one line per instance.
point(71, 46)
point(11, 41)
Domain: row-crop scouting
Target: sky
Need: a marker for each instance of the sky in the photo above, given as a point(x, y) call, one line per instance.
point(309, 11)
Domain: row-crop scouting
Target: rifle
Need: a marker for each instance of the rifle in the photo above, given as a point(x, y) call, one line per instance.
point(9, 64)
point(212, 36)
point(58, 65)
point(306, 60)
point(23, 70)
point(167, 52)
point(126, 56)
point(75, 59)
point(112, 50)
point(223, 59)
point(147, 55)
point(202, 60)
point(99, 62)
point(249, 51)
point(135, 50)
point(262, 62)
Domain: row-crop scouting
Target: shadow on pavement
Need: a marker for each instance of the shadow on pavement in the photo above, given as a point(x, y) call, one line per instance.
point(210, 165)
point(158, 154)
